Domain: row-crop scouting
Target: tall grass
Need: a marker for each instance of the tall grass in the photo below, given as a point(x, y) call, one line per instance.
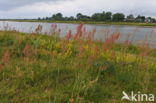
point(75, 69)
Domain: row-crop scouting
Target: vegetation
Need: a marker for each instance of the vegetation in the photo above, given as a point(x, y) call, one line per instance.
point(118, 17)
point(96, 18)
point(91, 22)
point(103, 17)
point(107, 18)
point(37, 68)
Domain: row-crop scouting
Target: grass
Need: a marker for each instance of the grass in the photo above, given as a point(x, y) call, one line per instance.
point(94, 22)
point(38, 68)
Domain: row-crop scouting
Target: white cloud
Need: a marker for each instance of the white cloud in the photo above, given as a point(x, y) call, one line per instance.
point(72, 7)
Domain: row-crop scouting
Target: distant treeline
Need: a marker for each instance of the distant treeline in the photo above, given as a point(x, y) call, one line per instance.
point(104, 16)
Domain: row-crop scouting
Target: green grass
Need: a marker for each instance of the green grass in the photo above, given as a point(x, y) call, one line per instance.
point(94, 22)
point(47, 69)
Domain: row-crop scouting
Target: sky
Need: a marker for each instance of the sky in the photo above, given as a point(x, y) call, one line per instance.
point(41, 8)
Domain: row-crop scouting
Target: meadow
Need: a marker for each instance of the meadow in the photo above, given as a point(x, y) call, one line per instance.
point(36, 68)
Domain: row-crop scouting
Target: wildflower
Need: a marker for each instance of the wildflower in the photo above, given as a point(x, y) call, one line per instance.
point(54, 26)
point(69, 35)
point(113, 55)
point(90, 62)
point(59, 31)
point(1, 66)
point(91, 34)
point(81, 51)
point(109, 41)
point(71, 100)
point(103, 68)
point(54, 29)
point(6, 57)
point(79, 31)
point(126, 42)
point(142, 66)
point(38, 29)
point(27, 50)
point(145, 50)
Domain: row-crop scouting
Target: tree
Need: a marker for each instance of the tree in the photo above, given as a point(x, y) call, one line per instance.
point(57, 16)
point(102, 16)
point(96, 17)
point(130, 16)
point(82, 17)
point(108, 16)
point(39, 18)
point(140, 18)
point(79, 16)
point(47, 18)
point(118, 17)
point(71, 18)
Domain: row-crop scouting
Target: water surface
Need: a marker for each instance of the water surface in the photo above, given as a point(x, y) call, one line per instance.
point(137, 33)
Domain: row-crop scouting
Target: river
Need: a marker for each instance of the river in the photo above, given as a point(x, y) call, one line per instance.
point(137, 33)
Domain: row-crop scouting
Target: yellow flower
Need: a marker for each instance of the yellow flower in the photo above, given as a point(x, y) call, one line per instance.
point(58, 45)
point(130, 58)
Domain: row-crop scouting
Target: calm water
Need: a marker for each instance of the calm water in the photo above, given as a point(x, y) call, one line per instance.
point(137, 34)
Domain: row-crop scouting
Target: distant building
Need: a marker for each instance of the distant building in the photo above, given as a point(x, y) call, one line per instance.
point(149, 20)
point(130, 18)
point(140, 18)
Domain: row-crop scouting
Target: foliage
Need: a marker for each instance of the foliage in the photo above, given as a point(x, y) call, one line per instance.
point(38, 68)
point(118, 17)
point(103, 17)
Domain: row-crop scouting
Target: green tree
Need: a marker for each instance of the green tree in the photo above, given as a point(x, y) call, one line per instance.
point(108, 16)
point(71, 18)
point(39, 18)
point(96, 17)
point(102, 16)
point(57, 16)
point(130, 16)
point(140, 18)
point(118, 17)
point(82, 17)
point(79, 16)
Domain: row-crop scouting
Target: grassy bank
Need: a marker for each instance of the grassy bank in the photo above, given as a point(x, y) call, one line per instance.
point(94, 22)
point(46, 69)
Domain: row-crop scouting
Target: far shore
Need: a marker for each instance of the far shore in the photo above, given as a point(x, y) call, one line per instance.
point(92, 22)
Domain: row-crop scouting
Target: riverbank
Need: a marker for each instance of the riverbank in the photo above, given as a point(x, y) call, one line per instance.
point(38, 68)
point(92, 22)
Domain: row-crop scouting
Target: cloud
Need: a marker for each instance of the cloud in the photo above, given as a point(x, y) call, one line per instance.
point(42, 8)
point(10, 4)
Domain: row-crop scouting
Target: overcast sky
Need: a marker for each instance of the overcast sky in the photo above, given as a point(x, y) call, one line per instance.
point(43, 8)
